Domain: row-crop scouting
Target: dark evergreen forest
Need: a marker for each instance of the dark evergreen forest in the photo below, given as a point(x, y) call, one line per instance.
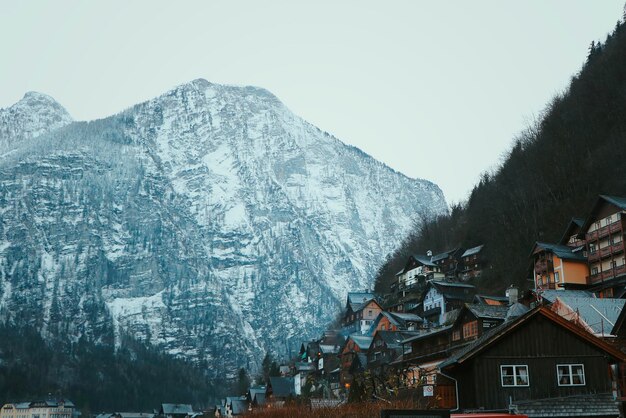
point(555, 170)
point(97, 378)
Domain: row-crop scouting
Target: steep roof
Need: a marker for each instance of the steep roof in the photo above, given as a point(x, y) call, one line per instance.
point(176, 408)
point(453, 291)
point(599, 314)
point(394, 339)
point(496, 333)
point(572, 228)
point(472, 251)
point(491, 300)
point(562, 251)
point(424, 259)
point(442, 256)
point(282, 387)
point(550, 295)
point(238, 404)
point(488, 311)
point(620, 202)
point(357, 299)
point(427, 333)
point(363, 341)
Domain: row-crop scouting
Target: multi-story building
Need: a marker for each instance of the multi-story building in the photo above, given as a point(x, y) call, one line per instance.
point(603, 232)
point(472, 263)
point(51, 408)
point(418, 270)
point(362, 308)
point(558, 266)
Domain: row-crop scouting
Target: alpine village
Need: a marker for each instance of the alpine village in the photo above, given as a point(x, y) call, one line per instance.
point(508, 325)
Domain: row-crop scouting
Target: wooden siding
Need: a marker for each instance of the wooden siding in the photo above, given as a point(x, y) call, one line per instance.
point(541, 345)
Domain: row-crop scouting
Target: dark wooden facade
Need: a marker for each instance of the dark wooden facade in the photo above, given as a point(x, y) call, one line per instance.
point(541, 341)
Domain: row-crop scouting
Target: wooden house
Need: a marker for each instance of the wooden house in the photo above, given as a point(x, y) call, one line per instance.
point(449, 263)
point(557, 266)
point(472, 263)
point(440, 297)
point(417, 270)
point(603, 232)
point(362, 308)
point(572, 237)
point(354, 356)
point(256, 396)
point(281, 389)
point(395, 321)
point(536, 356)
point(597, 316)
point(386, 347)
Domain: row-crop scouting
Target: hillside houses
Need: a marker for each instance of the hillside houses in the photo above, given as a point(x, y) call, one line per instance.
point(437, 341)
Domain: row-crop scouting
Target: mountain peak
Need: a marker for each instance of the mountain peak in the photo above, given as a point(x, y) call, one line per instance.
point(35, 114)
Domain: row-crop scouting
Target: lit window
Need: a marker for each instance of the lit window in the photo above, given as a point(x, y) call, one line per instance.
point(514, 375)
point(456, 335)
point(570, 374)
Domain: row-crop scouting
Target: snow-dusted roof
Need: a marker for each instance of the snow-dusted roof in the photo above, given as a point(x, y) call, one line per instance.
point(472, 251)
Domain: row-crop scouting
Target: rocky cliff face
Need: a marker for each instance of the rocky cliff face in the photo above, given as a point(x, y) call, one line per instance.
point(210, 221)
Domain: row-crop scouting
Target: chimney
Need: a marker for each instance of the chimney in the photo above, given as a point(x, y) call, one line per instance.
point(429, 253)
point(512, 294)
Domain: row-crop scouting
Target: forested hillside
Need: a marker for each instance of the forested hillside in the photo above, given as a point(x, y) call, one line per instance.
point(96, 377)
point(554, 170)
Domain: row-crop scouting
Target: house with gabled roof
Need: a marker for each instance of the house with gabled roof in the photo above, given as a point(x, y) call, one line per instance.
point(176, 410)
point(449, 262)
point(386, 348)
point(354, 356)
point(395, 321)
point(603, 232)
point(440, 297)
point(362, 308)
point(571, 236)
point(536, 356)
point(281, 389)
point(256, 396)
point(557, 266)
point(417, 270)
point(597, 316)
point(472, 263)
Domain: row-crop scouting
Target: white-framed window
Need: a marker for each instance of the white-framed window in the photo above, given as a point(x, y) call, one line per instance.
point(514, 375)
point(570, 374)
point(556, 277)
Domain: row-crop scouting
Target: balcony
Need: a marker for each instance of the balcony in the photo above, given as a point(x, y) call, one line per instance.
point(605, 231)
point(607, 274)
point(605, 252)
point(543, 266)
point(432, 312)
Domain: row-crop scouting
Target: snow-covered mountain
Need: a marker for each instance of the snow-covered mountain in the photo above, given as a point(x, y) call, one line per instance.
point(210, 221)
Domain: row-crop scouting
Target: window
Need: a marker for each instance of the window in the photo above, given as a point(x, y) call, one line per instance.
point(556, 277)
point(570, 374)
point(456, 335)
point(470, 329)
point(594, 270)
point(592, 248)
point(608, 220)
point(514, 375)
point(369, 312)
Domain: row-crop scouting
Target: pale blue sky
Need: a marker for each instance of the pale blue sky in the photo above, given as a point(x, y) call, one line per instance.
point(434, 89)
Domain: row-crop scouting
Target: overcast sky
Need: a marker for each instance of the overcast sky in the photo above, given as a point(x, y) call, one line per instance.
point(434, 89)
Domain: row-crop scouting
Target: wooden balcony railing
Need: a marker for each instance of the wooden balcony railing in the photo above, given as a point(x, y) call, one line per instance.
point(606, 251)
point(543, 266)
point(607, 274)
point(604, 231)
